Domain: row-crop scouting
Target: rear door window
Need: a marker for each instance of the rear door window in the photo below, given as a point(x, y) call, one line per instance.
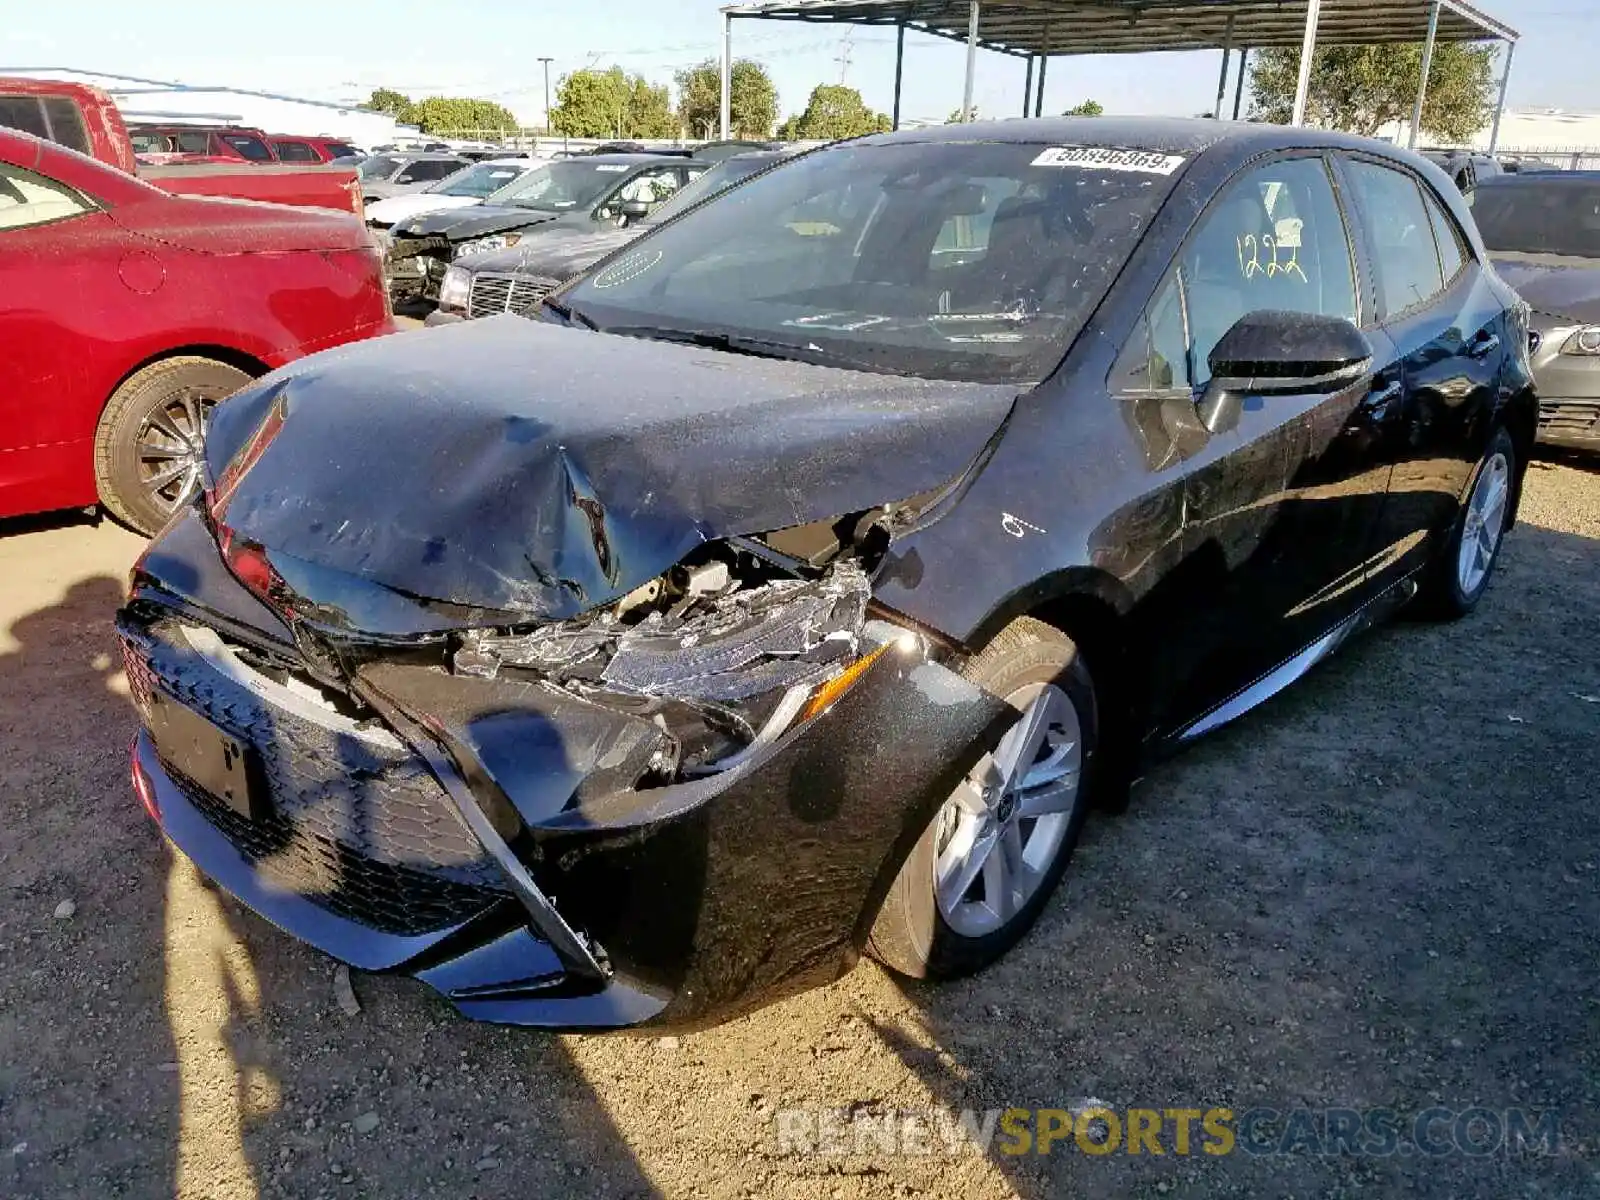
point(1400, 235)
point(1447, 237)
point(295, 152)
point(427, 170)
point(194, 143)
point(250, 147)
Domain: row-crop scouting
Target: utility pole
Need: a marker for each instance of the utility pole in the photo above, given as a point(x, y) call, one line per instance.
point(547, 62)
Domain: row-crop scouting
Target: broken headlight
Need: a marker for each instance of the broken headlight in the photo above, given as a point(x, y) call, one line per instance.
point(723, 665)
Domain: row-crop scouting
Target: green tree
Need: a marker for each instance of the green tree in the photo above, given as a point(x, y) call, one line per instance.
point(957, 117)
point(1089, 108)
point(753, 103)
point(833, 112)
point(1361, 89)
point(604, 104)
point(451, 114)
point(396, 104)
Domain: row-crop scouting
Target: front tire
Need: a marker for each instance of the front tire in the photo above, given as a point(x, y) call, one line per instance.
point(150, 444)
point(988, 862)
point(1459, 576)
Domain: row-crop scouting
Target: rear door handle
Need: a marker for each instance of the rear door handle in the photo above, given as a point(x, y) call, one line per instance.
point(1483, 345)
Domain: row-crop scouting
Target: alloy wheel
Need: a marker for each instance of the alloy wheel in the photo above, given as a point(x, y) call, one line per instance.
point(170, 447)
point(1000, 831)
point(1485, 522)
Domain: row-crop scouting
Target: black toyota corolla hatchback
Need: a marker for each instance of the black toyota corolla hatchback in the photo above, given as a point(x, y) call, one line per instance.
point(796, 582)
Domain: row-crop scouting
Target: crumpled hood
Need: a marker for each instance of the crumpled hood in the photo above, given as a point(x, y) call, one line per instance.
point(477, 221)
point(515, 465)
point(1554, 284)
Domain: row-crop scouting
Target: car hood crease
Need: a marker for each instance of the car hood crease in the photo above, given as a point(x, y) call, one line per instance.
point(534, 468)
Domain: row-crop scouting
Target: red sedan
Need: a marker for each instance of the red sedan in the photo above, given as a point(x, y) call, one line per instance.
point(129, 313)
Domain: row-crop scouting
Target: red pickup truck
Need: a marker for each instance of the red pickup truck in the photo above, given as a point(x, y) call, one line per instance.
point(130, 312)
point(87, 120)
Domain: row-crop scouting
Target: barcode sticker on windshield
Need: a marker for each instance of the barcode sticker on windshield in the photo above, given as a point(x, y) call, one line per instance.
point(1101, 158)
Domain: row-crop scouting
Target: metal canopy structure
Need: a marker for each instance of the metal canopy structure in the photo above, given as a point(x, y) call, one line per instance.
point(1038, 30)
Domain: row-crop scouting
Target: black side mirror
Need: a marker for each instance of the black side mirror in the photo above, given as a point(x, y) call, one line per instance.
point(634, 210)
point(1283, 353)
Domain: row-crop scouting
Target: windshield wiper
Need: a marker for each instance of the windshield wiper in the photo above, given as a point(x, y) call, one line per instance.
point(569, 314)
point(735, 343)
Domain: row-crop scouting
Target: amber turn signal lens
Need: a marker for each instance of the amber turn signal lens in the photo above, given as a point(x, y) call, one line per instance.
point(840, 684)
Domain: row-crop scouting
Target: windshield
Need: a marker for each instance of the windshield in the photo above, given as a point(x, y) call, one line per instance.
point(378, 166)
point(1540, 216)
point(956, 260)
point(724, 175)
point(482, 180)
point(563, 186)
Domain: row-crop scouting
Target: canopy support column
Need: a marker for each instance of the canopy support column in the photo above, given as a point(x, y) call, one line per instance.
point(726, 107)
point(1422, 84)
point(1238, 88)
point(899, 67)
point(1044, 61)
point(1222, 79)
point(1500, 105)
point(1027, 90)
point(1308, 47)
point(972, 60)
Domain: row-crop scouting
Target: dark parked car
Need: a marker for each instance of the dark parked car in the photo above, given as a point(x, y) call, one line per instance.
point(1466, 168)
point(588, 193)
point(512, 280)
point(1543, 231)
point(797, 581)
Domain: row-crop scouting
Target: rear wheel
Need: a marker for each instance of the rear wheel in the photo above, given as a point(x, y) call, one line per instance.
point(1460, 574)
point(987, 863)
point(149, 452)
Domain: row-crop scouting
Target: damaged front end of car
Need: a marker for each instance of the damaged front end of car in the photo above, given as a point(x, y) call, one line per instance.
point(666, 808)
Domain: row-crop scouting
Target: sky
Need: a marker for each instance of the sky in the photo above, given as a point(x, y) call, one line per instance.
point(341, 50)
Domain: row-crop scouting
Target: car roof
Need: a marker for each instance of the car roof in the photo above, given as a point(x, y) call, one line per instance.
point(655, 159)
point(1167, 135)
point(1553, 176)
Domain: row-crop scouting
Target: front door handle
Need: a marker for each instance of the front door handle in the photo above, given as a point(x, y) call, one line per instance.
point(1380, 401)
point(1483, 345)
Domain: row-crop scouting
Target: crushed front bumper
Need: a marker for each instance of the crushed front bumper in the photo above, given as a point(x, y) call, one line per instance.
point(463, 839)
point(1573, 424)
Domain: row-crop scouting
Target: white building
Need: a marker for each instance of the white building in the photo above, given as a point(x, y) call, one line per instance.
point(157, 101)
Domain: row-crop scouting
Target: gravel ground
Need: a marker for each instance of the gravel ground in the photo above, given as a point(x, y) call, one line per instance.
point(1382, 890)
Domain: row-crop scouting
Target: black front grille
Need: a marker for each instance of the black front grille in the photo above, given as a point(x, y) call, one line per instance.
point(390, 898)
point(492, 294)
point(1570, 417)
point(357, 824)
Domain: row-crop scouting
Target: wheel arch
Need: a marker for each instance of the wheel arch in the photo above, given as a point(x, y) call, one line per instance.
point(228, 355)
point(1096, 610)
point(1520, 416)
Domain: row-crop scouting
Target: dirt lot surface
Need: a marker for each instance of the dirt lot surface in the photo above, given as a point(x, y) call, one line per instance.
point(1382, 890)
